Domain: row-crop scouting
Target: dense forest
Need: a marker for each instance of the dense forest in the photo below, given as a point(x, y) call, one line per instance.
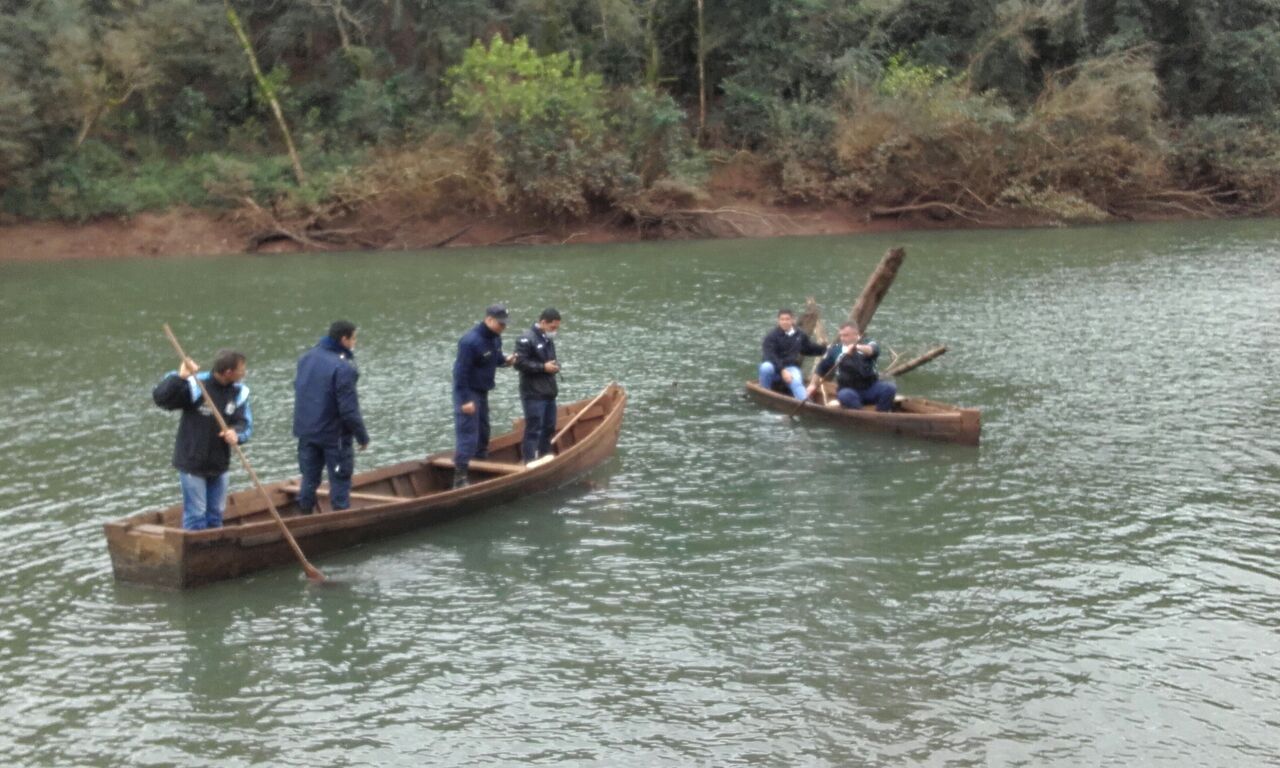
point(563, 109)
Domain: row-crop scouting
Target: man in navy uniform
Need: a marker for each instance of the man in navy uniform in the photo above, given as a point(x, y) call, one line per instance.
point(857, 382)
point(537, 364)
point(326, 416)
point(202, 451)
point(479, 355)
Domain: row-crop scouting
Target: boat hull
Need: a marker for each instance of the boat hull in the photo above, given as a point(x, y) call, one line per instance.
point(152, 549)
point(912, 416)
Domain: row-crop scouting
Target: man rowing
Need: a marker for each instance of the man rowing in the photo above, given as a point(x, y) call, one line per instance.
point(857, 381)
point(202, 451)
point(783, 347)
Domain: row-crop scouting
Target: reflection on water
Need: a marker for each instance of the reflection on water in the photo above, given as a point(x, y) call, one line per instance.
point(1095, 584)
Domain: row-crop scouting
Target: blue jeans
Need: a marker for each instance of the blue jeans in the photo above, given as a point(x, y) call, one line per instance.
point(338, 458)
point(881, 393)
point(203, 500)
point(539, 427)
point(470, 431)
point(768, 375)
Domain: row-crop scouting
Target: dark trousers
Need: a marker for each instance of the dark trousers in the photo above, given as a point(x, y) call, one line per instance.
point(539, 427)
point(881, 393)
point(314, 456)
point(470, 431)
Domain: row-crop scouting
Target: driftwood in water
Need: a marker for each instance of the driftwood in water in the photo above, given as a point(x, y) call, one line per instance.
point(877, 286)
point(810, 321)
point(910, 365)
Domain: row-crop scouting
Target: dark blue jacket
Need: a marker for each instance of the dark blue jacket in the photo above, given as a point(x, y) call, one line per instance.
point(198, 450)
point(533, 351)
point(325, 405)
point(785, 349)
point(856, 370)
point(479, 355)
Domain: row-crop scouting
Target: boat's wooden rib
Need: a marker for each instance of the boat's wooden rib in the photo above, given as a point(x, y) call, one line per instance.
point(911, 416)
point(480, 465)
point(152, 548)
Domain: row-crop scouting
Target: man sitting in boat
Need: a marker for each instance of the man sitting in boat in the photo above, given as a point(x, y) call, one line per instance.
point(857, 381)
point(783, 347)
point(202, 451)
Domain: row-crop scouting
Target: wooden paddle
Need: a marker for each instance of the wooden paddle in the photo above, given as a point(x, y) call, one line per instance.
point(561, 433)
point(312, 572)
point(791, 416)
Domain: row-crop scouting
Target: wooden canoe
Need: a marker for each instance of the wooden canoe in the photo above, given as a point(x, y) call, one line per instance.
point(152, 548)
point(911, 416)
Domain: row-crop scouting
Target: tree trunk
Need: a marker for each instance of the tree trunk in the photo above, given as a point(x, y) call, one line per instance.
point(810, 321)
point(877, 286)
point(915, 363)
point(268, 92)
point(702, 77)
point(653, 67)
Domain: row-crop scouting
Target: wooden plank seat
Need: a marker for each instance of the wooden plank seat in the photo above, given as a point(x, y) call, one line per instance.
point(378, 497)
point(496, 467)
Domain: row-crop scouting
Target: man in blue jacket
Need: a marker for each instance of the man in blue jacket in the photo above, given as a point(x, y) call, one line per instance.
point(857, 381)
point(479, 355)
point(326, 416)
point(536, 361)
point(202, 451)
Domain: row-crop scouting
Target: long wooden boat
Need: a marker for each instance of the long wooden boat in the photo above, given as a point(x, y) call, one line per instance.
point(152, 548)
point(911, 416)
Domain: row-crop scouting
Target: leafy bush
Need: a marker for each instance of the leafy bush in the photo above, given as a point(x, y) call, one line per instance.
point(1096, 131)
point(544, 119)
point(917, 136)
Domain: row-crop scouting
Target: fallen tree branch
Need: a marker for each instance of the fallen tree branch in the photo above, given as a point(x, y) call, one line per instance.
point(876, 288)
point(898, 369)
point(454, 236)
point(950, 208)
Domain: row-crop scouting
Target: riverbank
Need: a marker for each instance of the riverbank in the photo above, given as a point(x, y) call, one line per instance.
point(186, 232)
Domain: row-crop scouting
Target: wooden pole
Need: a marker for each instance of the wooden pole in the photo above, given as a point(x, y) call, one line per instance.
point(578, 415)
point(312, 572)
point(915, 363)
point(268, 92)
point(876, 288)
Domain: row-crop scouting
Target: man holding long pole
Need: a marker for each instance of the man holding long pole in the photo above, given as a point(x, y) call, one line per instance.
point(202, 449)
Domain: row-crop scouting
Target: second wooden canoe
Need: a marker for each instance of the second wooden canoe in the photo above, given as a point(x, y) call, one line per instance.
point(910, 417)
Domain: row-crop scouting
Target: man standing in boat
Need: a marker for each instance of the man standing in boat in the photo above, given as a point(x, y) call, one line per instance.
point(326, 416)
point(857, 381)
point(479, 355)
point(537, 364)
point(202, 450)
point(783, 348)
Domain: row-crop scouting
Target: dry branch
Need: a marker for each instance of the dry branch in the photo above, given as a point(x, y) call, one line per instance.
point(897, 369)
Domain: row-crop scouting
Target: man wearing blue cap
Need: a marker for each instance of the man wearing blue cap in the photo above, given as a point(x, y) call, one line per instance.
point(479, 355)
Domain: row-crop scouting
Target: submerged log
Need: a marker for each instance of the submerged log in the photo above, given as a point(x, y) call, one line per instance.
point(914, 363)
point(810, 321)
point(877, 286)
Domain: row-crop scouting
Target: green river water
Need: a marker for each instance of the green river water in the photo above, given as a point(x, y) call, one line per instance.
point(1097, 584)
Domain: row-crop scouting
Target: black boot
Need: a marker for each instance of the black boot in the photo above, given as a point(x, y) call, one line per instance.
point(460, 478)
